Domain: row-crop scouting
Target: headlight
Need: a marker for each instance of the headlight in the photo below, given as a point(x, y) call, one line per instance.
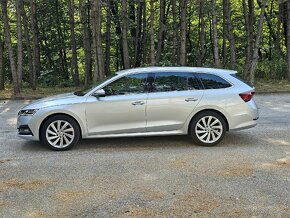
point(28, 112)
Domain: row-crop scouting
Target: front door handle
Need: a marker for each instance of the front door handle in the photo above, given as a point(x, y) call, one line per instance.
point(138, 103)
point(191, 99)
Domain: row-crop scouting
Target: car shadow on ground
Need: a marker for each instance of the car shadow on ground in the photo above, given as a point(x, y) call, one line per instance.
point(233, 139)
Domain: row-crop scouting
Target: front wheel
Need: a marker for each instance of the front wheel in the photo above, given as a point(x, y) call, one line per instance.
point(207, 128)
point(60, 132)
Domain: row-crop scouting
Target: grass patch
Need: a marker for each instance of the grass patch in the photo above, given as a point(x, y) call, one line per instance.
point(28, 93)
point(262, 85)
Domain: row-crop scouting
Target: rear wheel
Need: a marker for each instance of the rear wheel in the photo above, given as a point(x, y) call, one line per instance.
point(207, 128)
point(60, 132)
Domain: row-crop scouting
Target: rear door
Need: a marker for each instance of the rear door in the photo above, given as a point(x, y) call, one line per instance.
point(172, 98)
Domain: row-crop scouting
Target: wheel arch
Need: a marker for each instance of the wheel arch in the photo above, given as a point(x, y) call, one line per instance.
point(55, 114)
point(211, 110)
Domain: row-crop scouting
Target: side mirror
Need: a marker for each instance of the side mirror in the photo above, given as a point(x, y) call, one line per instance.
point(100, 93)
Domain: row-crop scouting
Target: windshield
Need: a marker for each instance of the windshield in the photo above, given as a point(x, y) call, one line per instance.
point(91, 87)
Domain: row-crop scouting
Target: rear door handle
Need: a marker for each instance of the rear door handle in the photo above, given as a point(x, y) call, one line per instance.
point(138, 103)
point(191, 99)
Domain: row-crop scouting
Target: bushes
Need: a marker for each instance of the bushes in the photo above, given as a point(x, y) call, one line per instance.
point(272, 69)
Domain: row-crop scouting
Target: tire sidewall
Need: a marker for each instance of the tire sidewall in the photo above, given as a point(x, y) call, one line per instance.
point(64, 118)
point(197, 118)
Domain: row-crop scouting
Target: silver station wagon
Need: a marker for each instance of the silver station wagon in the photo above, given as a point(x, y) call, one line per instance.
point(203, 103)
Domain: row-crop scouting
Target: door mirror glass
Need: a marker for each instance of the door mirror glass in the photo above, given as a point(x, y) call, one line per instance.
point(100, 93)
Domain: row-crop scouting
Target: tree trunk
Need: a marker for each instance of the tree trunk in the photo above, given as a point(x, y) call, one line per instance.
point(108, 39)
point(201, 34)
point(161, 31)
point(118, 29)
point(183, 8)
point(225, 33)
point(97, 42)
point(1, 61)
point(125, 35)
point(100, 54)
point(175, 33)
point(74, 58)
point(85, 14)
point(138, 54)
point(35, 44)
point(28, 48)
point(19, 40)
point(61, 41)
point(144, 35)
point(288, 39)
point(152, 43)
point(215, 35)
point(230, 34)
point(16, 86)
point(257, 43)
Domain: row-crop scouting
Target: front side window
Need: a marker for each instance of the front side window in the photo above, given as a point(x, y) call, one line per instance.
point(131, 84)
point(211, 81)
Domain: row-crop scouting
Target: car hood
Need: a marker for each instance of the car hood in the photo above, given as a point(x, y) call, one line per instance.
point(62, 99)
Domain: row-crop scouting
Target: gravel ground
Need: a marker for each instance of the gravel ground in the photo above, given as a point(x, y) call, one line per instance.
point(247, 175)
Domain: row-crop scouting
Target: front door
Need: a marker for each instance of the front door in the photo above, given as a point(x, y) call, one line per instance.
point(122, 110)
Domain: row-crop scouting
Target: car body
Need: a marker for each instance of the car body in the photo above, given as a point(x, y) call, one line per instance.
point(145, 102)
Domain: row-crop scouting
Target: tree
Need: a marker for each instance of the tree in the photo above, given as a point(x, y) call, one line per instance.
point(19, 40)
point(288, 39)
point(215, 34)
point(74, 58)
point(183, 7)
point(175, 33)
point(28, 47)
point(108, 38)
point(201, 34)
point(125, 49)
point(1, 60)
point(85, 21)
point(152, 43)
point(35, 44)
point(229, 32)
point(16, 85)
point(97, 42)
point(257, 43)
point(161, 30)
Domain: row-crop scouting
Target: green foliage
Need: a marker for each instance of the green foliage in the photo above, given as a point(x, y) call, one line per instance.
point(272, 69)
point(50, 78)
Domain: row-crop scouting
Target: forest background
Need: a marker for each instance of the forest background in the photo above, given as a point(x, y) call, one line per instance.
point(70, 44)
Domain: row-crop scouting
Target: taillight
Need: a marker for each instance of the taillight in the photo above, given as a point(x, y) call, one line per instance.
point(247, 96)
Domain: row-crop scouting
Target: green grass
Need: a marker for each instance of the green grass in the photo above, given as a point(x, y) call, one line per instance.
point(261, 85)
point(28, 93)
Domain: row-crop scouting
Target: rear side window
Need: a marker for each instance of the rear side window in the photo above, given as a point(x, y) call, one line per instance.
point(211, 81)
point(172, 81)
point(169, 81)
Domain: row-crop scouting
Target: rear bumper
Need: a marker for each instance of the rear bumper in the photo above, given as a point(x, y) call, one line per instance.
point(246, 117)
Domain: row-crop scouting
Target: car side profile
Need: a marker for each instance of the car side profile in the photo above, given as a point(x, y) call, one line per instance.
point(203, 103)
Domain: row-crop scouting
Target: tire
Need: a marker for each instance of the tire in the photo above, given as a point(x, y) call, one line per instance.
point(60, 132)
point(207, 128)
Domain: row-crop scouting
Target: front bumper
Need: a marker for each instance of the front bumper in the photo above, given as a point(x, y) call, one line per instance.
point(25, 128)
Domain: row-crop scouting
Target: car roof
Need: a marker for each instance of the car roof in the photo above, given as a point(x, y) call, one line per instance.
point(175, 69)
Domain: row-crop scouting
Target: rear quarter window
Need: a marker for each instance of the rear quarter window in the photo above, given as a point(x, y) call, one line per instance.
point(211, 81)
point(243, 81)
